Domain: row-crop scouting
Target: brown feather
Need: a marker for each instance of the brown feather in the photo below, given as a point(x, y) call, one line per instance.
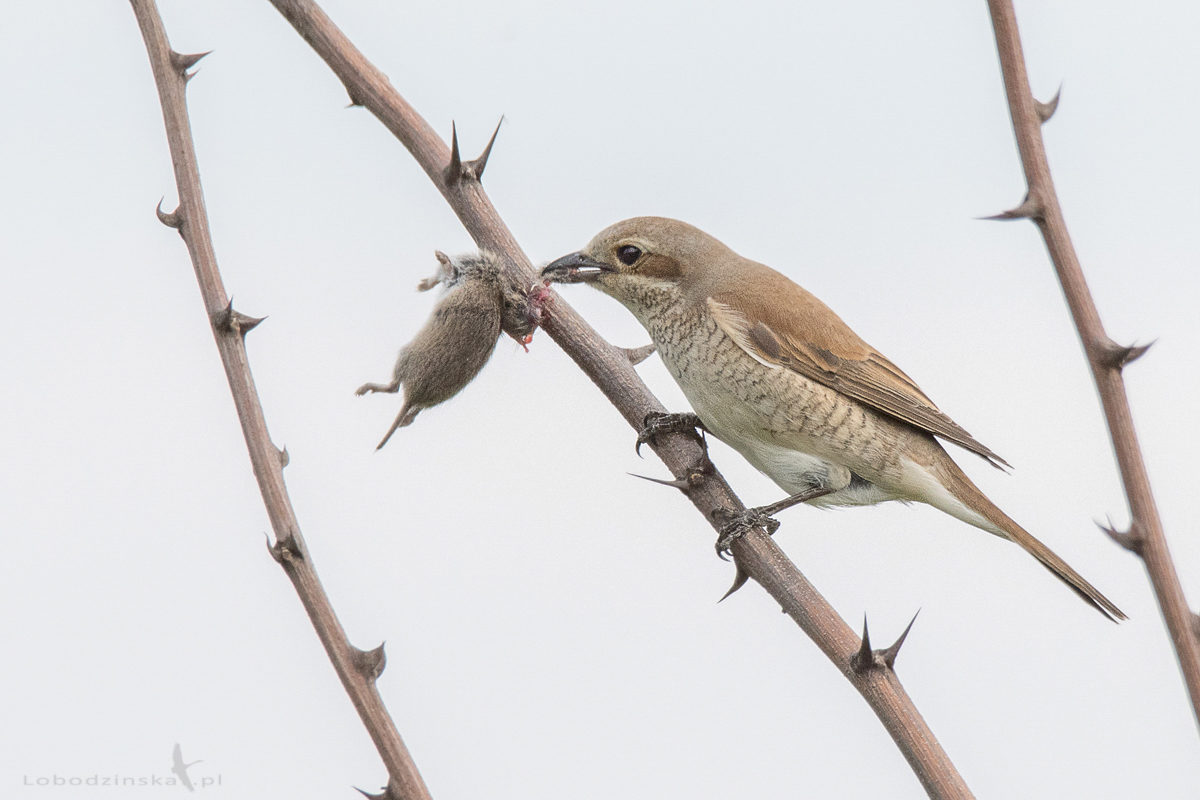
point(786, 326)
point(955, 480)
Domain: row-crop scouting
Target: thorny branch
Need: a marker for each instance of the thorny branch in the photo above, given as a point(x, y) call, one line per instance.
point(610, 369)
point(357, 669)
point(1106, 358)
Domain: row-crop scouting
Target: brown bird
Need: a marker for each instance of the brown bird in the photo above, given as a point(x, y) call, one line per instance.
point(771, 371)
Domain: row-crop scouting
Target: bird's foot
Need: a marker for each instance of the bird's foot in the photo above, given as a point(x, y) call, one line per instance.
point(737, 524)
point(657, 422)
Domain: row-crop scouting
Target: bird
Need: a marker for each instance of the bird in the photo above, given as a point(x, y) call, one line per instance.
point(773, 372)
point(480, 302)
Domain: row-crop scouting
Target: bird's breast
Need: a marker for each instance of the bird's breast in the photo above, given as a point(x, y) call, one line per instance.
point(786, 425)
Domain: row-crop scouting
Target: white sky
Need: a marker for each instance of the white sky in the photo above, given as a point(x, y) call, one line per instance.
point(552, 623)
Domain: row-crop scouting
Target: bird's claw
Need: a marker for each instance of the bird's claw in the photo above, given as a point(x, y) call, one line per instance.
point(657, 422)
point(738, 524)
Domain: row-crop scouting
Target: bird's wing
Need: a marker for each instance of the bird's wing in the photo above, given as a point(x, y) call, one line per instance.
point(797, 331)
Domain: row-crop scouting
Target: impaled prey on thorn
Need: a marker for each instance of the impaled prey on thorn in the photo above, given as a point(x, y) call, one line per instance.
point(460, 335)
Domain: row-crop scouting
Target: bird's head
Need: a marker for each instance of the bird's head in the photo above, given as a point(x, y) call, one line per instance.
point(641, 257)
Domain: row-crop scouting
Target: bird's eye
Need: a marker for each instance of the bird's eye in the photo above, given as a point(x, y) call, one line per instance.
point(627, 254)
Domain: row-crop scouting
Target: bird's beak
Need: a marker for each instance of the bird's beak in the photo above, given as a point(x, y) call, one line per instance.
point(575, 268)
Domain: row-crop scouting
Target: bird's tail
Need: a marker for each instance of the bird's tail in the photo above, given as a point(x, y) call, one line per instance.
point(973, 506)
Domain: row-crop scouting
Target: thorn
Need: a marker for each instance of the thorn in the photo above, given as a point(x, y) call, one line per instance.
point(1116, 356)
point(889, 654)
point(864, 659)
point(637, 355)
point(182, 62)
point(369, 663)
point(453, 172)
point(354, 101)
point(284, 458)
point(271, 549)
point(739, 580)
point(229, 321)
point(1030, 208)
point(693, 478)
point(1046, 110)
point(679, 483)
point(285, 549)
point(1131, 539)
point(246, 323)
point(475, 167)
point(384, 795)
point(171, 219)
